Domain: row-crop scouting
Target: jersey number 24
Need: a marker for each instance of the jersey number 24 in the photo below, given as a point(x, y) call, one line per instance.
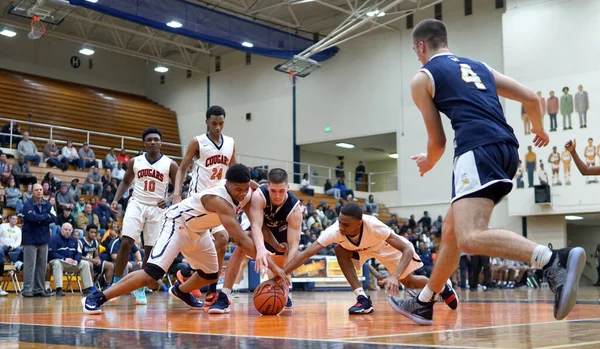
point(217, 173)
point(469, 76)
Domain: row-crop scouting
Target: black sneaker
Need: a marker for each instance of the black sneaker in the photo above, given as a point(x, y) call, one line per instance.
point(449, 296)
point(60, 292)
point(186, 297)
point(363, 306)
point(563, 273)
point(221, 306)
point(289, 305)
point(412, 308)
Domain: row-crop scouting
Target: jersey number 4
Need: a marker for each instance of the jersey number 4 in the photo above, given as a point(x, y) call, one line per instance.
point(149, 186)
point(217, 173)
point(469, 76)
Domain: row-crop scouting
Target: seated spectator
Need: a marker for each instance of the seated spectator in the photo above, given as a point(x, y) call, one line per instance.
point(47, 192)
point(93, 202)
point(108, 193)
point(118, 172)
point(66, 216)
point(425, 221)
point(338, 206)
point(64, 255)
point(425, 255)
point(22, 173)
point(107, 177)
point(64, 199)
point(51, 154)
point(100, 265)
point(412, 224)
point(28, 150)
point(10, 243)
point(344, 191)
point(104, 214)
point(12, 196)
point(111, 160)
point(330, 214)
point(322, 218)
point(28, 194)
point(74, 189)
point(54, 182)
point(310, 207)
point(304, 186)
point(135, 256)
point(52, 202)
point(6, 131)
point(79, 207)
point(5, 174)
point(87, 217)
point(330, 190)
point(437, 226)
point(123, 158)
point(371, 206)
point(312, 219)
point(394, 220)
point(70, 156)
point(93, 182)
point(87, 156)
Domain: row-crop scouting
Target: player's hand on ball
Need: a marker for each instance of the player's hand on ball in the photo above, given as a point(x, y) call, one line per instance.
point(267, 284)
point(423, 163)
point(261, 261)
point(570, 146)
point(279, 275)
point(391, 286)
point(541, 138)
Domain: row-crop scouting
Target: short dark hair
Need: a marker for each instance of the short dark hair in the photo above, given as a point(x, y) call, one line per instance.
point(352, 210)
point(565, 88)
point(91, 226)
point(432, 32)
point(150, 130)
point(277, 176)
point(238, 173)
point(11, 216)
point(215, 110)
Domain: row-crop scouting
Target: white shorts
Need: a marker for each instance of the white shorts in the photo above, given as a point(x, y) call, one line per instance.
point(390, 258)
point(142, 218)
point(215, 230)
point(198, 249)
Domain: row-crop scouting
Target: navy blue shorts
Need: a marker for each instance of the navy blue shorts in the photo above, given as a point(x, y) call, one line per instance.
point(485, 172)
point(280, 236)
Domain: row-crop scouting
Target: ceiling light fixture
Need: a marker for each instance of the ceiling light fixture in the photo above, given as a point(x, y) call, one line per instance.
point(86, 51)
point(8, 33)
point(92, 1)
point(247, 44)
point(393, 155)
point(573, 218)
point(345, 145)
point(161, 69)
point(175, 24)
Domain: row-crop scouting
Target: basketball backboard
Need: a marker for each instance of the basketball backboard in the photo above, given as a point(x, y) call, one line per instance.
point(298, 65)
point(49, 11)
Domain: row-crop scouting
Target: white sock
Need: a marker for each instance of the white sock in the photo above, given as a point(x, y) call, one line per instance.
point(47, 285)
point(360, 292)
point(426, 295)
point(227, 291)
point(541, 256)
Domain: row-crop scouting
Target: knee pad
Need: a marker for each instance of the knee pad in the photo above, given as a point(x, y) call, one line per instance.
point(211, 276)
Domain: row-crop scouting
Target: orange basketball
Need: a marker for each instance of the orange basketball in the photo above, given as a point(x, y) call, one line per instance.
point(270, 301)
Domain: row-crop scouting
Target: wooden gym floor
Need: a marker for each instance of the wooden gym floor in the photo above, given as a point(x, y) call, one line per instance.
point(495, 319)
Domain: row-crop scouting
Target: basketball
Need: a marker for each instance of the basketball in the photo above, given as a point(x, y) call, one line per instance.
point(270, 301)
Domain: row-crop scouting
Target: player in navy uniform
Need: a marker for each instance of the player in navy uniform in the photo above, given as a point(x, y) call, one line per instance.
point(485, 161)
point(276, 225)
point(101, 263)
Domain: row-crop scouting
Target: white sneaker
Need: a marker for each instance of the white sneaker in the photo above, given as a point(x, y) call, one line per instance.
point(3, 293)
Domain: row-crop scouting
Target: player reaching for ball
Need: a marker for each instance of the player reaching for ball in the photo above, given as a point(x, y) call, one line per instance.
point(360, 238)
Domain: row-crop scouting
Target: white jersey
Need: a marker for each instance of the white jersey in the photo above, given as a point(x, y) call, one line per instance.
point(555, 158)
point(151, 179)
point(211, 166)
point(590, 152)
point(372, 238)
point(195, 217)
point(566, 156)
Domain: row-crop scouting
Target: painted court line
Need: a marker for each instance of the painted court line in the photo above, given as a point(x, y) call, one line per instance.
point(573, 345)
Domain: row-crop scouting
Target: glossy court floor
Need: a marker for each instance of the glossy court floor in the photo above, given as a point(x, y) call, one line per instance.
point(495, 319)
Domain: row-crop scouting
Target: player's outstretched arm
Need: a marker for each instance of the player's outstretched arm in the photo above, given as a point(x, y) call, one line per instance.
point(391, 283)
point(421, 90)
point(294, 232)
point(581, 166)
point(124, 185)
point(192, 149)
point(256, 216)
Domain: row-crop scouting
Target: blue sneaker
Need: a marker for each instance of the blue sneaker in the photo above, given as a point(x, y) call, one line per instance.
point(93, 302)
point(289, 305)
point(186, 297)
point(221, 306)
point(140, 296)
point(363, 306)
point(449, 296)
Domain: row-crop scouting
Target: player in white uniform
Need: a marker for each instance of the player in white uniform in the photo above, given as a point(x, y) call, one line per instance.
point(185, 229)
point(360, 238)
point(566, 159)
point(554, 160)
point(150, 174)
point(590, 158)
point(214, 153)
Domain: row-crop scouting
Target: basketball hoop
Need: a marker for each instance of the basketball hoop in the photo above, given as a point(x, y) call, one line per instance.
point(298, 67)
point(293, 78)
point(37, 28)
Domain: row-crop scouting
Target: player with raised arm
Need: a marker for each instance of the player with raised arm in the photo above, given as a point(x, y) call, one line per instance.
point(214, 153)
point(186, 229)
point(362, 237)
point(485, 161)
point(150, 174)
point(276, 224)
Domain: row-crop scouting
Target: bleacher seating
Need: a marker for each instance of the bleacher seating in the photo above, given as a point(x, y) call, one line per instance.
point(384, 213)
point(68, 104)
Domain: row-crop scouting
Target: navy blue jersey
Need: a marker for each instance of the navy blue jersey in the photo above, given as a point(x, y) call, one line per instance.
point(465, 90)
point(276, 216)
point(89, 248)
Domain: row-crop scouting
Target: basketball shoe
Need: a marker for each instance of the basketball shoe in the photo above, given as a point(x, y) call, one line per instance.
point(363, 306)
point(140, 296)
point(289, 305)
point(196, 293)
point(190, 300)
point(221, 305)
point(449, 296)
point(211, 298)
point(92, 303)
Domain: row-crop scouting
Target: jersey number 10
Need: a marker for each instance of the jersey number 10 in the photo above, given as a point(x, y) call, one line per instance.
point(217, 173)
point(469, 76)
point(149, 186)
